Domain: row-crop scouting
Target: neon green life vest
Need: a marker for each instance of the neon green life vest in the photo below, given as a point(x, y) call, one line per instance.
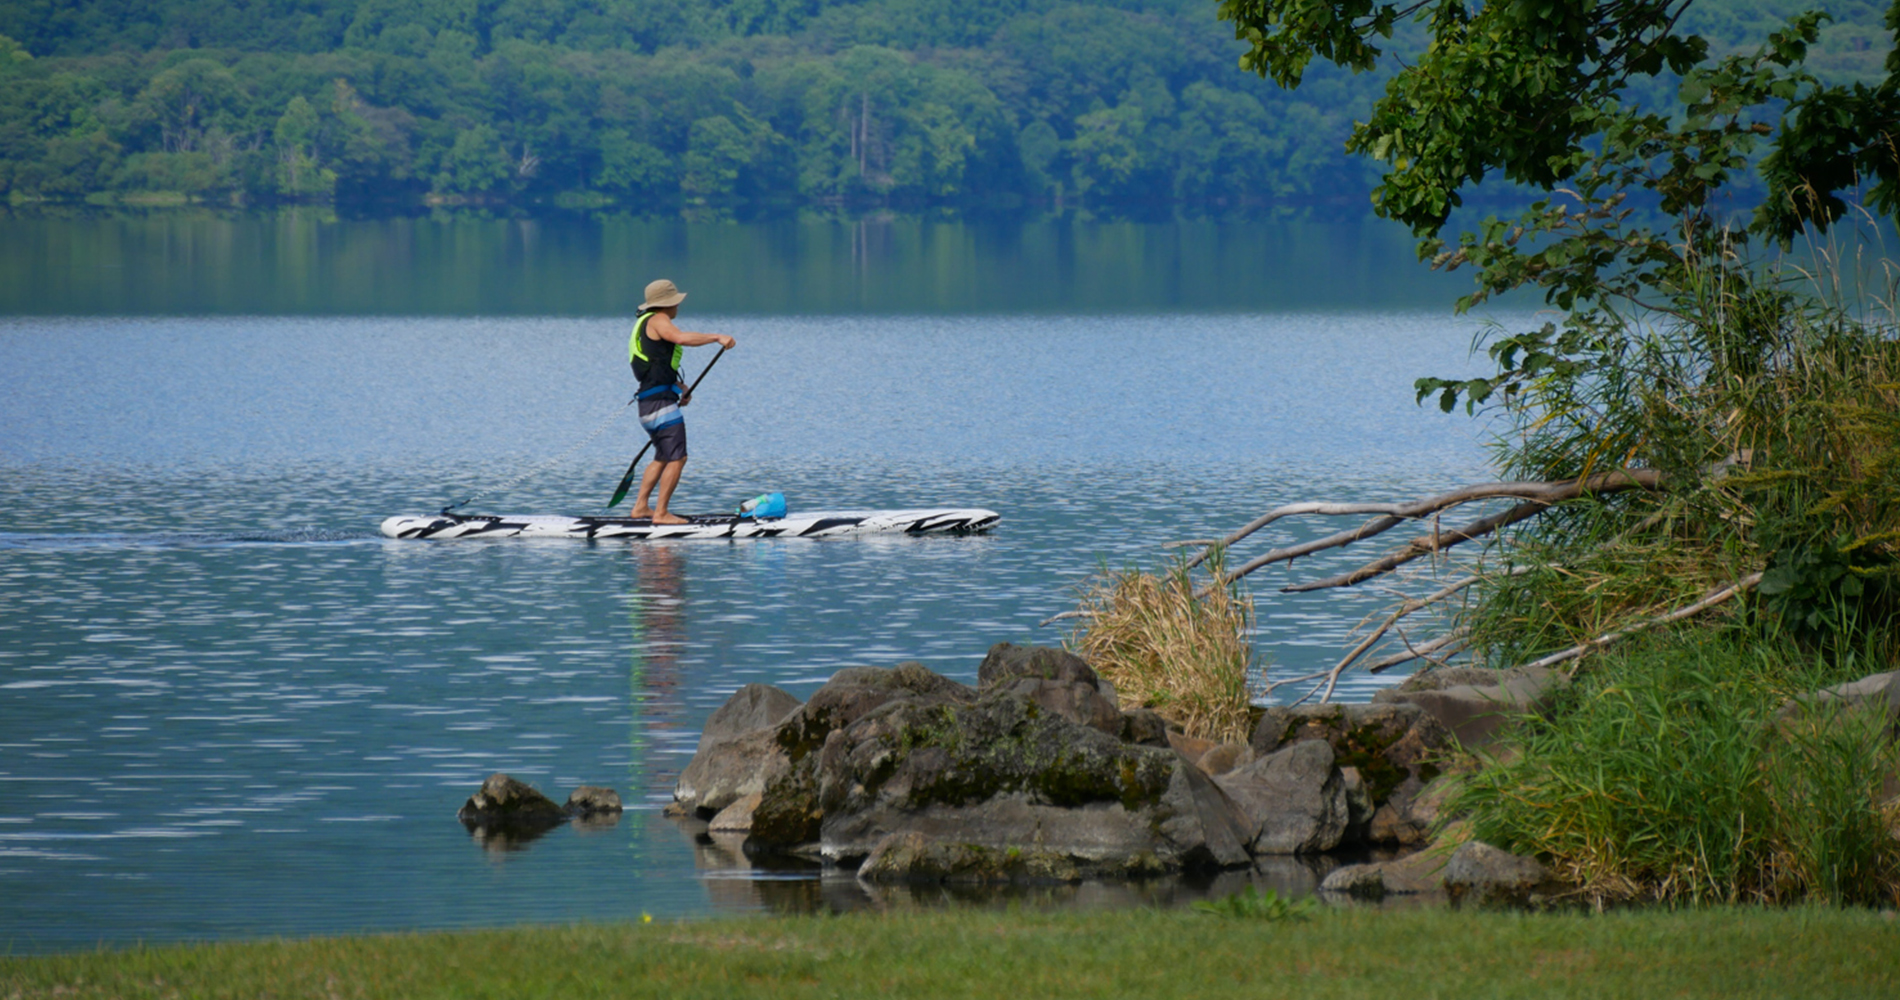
point(637, 355)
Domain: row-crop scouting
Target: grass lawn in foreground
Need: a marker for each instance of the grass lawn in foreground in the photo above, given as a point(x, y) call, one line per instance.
point(1414, 954)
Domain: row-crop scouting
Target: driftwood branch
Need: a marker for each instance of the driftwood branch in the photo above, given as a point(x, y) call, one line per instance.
point(1549, 492)
point(1405, 608)
point(1424, 545)
point(1442, 646)
point(1537, 497)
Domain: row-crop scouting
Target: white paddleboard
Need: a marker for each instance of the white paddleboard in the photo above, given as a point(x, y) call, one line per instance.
point(921, 521)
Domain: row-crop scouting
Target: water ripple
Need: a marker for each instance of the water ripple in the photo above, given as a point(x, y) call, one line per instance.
point(259, 718)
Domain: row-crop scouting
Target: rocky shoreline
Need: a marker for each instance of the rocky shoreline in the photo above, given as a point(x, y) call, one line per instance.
point(1036, 775)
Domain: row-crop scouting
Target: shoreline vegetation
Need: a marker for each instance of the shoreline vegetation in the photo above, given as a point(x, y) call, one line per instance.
point(1746, 746)
point(1722, 954)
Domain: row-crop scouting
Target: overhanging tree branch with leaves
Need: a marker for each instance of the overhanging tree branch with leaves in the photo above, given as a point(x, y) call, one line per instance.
point(1769, 414)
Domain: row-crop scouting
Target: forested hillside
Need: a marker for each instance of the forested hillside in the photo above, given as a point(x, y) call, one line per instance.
point(649, 105)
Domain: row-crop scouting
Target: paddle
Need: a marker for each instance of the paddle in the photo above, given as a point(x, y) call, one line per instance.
point(626, 481)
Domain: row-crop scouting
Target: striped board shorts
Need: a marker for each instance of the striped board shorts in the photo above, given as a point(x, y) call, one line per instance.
point(666, 425)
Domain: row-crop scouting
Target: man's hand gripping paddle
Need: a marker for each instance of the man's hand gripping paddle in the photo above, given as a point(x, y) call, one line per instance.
point(626, 481)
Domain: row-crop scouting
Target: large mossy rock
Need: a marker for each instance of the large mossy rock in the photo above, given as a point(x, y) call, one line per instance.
point(1005, 789)
point(738, 750)
point(853, 692)
point(913, 776)
point(1055, 679)
point(786, 819)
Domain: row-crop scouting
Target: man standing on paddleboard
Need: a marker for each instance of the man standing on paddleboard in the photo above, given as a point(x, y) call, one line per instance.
point(655, 351)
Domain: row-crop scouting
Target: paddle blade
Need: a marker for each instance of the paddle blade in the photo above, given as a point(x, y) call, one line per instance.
point(626, 481)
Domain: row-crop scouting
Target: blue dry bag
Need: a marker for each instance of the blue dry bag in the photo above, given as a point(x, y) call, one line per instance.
point(765, 505)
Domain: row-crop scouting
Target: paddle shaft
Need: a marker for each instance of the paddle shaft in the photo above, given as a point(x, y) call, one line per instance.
point(626, 481)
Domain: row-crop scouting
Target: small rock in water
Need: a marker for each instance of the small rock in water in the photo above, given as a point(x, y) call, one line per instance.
point(506, 803)
point(594, 803)
point(1480, 873)
point(737, 817)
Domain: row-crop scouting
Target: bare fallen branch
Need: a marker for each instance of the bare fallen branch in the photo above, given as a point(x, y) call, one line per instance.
point(1409, 606)
point(1451, 638)
point(1267, 691)
point(1536, 501)
point(1424, 545)
point(1549, 492)
point(1713, 598)
point(1373, 527)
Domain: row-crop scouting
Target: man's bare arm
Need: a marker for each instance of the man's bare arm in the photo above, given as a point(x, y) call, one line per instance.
point(663, 328)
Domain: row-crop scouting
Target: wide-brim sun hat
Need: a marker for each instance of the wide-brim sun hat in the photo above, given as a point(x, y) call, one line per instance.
point(663, 293)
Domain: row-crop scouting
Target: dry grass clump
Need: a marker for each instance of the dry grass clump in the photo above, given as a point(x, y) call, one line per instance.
point(1169, 648)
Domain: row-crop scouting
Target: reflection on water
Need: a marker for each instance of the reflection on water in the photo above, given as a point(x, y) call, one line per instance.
point(306, 261)
point(656, 609)
point(786, 885)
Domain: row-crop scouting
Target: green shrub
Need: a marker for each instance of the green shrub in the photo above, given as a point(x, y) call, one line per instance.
point(1667, 774)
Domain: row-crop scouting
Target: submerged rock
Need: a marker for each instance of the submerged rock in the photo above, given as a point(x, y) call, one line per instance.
point(1418, 873)
point(1480, 873)
point(593, 807)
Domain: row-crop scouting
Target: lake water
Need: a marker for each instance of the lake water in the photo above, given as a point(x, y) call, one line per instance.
point(229, 709)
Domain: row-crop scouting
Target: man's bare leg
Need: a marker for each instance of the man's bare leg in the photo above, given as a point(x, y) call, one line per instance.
point(669, 478)
point(648, 478)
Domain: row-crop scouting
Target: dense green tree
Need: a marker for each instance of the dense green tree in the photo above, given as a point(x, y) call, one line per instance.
point(299, 173)
point(1530, 88)
point(833, 101)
